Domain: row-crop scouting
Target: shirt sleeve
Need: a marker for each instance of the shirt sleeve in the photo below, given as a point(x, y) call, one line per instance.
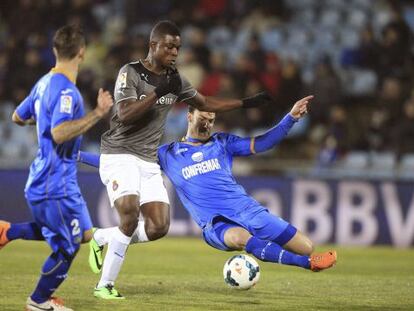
point(238, 146)
point(187, 90)
point(273, 136)
point(127, 84)
point(25, 109)
point(235, 145)
point(64, 107)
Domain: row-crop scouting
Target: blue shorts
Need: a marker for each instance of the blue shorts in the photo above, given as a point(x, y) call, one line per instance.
point(257, 220)
point(62, 221)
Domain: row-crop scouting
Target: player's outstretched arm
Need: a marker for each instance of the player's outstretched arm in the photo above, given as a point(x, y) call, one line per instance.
point(273, 136)
point(89, 158)
point(214, 104)
point(71, 129)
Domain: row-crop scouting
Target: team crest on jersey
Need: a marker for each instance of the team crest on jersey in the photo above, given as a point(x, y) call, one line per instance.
point(122, 80)
point(114, 185)
point(66, 104)
point(197, 157)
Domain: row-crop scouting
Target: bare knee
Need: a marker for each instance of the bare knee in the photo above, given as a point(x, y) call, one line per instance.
point(237, 242)
point(87, 236)
point(157, 231)
point(236, 238)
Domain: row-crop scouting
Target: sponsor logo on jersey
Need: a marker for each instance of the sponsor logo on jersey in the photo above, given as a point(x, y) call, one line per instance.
point(144, 77)
point(181, 150)
point(200, 168)
point(66, 104)
point(67, 91)
point(164, 100)
point(197, 156)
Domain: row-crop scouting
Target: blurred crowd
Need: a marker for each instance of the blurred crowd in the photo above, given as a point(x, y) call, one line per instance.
point(355, 56)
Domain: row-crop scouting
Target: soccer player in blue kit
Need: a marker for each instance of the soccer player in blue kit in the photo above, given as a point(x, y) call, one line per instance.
point(200, 169)
point(60, 214)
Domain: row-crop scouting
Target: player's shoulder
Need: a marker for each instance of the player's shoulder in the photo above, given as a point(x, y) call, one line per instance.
point(163, 149)
point(63, 86)
point(220, 136)
point(135, 66)
point(60, 81)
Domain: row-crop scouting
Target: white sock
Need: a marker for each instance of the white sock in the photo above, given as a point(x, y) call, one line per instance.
point(114, 258)
point(102, 236)
point(140, 236)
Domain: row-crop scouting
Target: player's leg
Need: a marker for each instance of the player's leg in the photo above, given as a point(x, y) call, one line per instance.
point(155, 224)
point(238, 238)
point(64, 222)
point(294, 244)
point(155, 208)
point(121, 176)
point(117, 247)
point(13, 231)
point(299, 244)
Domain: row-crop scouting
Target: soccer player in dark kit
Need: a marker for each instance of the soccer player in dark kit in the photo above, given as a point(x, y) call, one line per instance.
point(144, 93)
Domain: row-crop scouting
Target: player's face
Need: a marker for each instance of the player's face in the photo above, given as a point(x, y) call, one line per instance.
point(202, 123)
point(166, 50)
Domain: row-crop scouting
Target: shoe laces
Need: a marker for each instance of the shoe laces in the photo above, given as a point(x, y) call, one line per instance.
point(110, 288)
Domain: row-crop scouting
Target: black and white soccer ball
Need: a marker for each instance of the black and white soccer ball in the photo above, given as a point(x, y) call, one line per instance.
point(241, 272)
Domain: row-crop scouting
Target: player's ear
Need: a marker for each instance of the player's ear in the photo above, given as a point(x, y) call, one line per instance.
point(81, 53)
point(55, 53)
point(153, 45)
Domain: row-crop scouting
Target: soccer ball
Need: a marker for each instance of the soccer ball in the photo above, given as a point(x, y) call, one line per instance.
point(241, 272)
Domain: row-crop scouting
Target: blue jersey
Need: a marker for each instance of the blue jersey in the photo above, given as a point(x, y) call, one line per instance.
point(203, 178)
point(53, 100)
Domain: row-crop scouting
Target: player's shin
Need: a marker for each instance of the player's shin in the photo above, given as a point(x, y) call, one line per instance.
point(270, 251)
point(54, 272)
point(114, 258)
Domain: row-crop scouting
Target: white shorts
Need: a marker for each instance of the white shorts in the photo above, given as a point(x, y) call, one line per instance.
point(126, 174)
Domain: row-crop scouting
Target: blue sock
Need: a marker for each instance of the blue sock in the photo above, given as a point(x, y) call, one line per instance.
point(270, 251)
point(25, 231)
point(54, 272)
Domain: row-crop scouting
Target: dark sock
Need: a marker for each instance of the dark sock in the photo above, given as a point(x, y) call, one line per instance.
point(25, 231)
point(54, 272)
point(270, 251)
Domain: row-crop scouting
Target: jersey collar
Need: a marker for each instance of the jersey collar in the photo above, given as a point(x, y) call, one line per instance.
point(65, 73)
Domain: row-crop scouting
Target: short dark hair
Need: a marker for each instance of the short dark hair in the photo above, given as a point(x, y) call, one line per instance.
point(164, 28)
point(68, 40)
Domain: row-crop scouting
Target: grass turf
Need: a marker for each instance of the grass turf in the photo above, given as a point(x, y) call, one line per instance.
point(186, 274)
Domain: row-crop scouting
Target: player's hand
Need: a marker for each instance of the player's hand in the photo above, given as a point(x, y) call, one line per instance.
point(105, 103)
point(259, 99)
point(300, 108)
point(170, 84)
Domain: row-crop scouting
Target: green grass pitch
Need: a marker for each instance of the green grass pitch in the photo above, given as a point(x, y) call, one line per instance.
point(186, 274)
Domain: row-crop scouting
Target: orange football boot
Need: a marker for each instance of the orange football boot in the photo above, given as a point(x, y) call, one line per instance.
point(4, 227)
point(322, 261)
